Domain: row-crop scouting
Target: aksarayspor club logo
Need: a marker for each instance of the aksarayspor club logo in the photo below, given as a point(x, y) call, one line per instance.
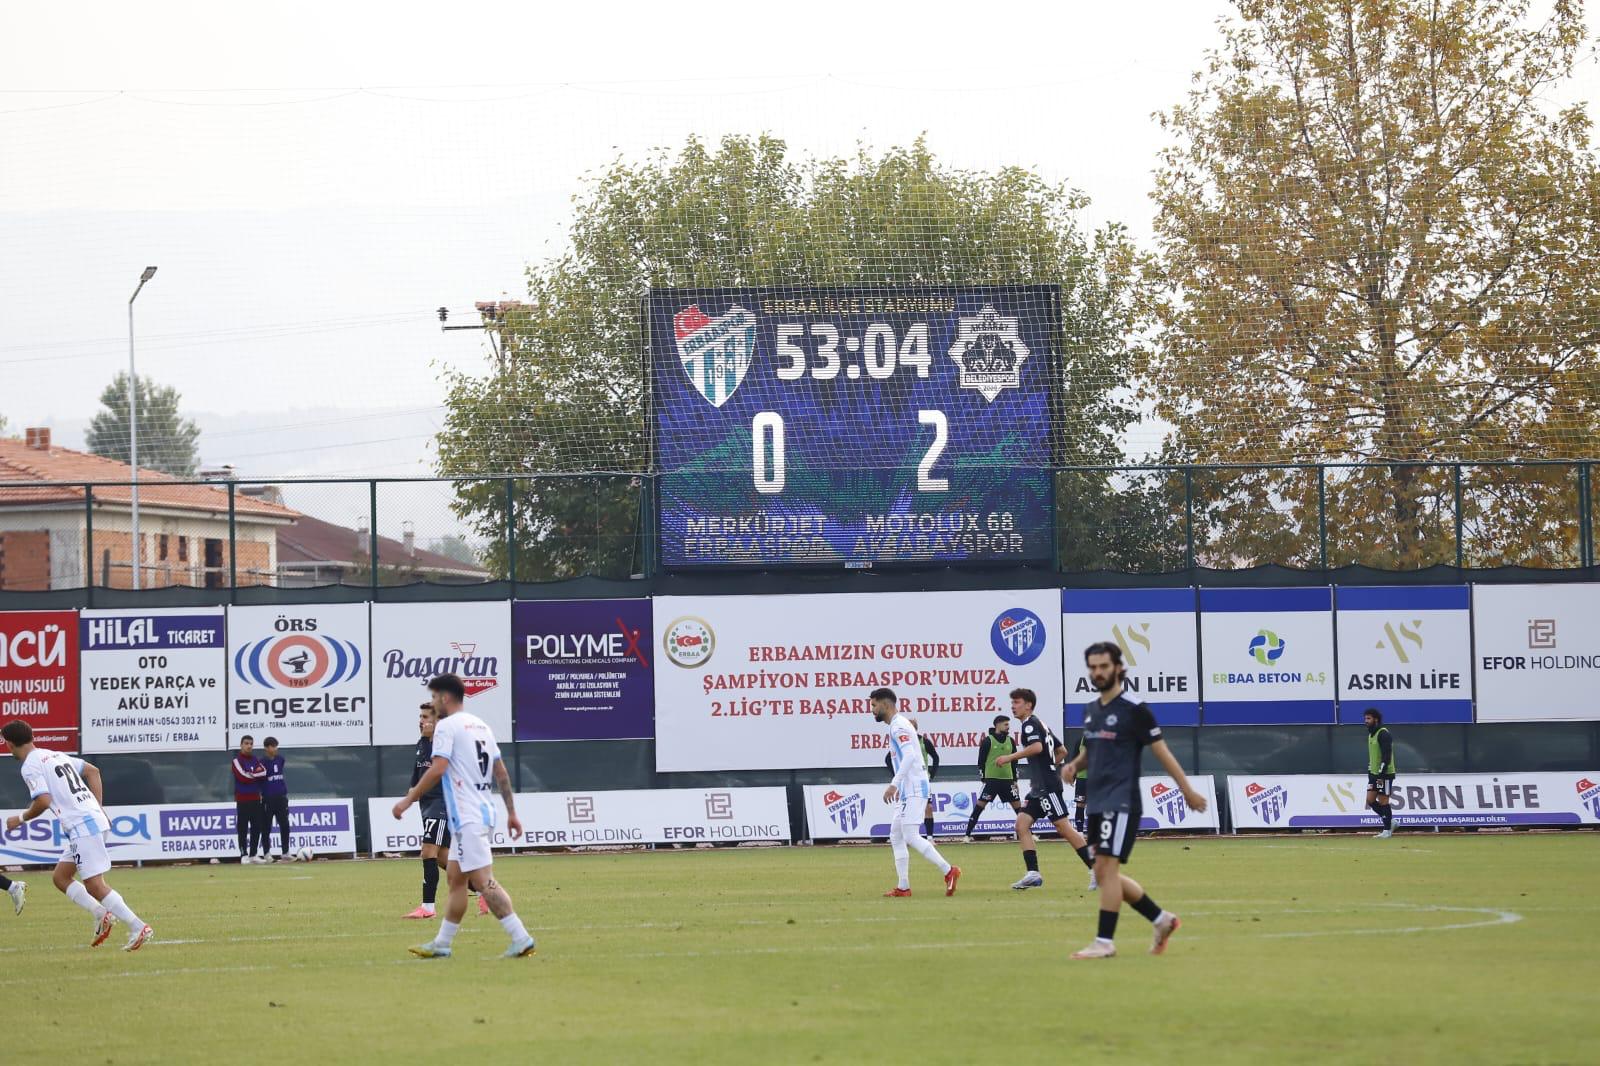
point(1268, 803)
point(1017, 636)
point(989, 352)
point(845, 811)
point(1170, 802)
point(689, 642)
point(297, 660)
point(715, 352)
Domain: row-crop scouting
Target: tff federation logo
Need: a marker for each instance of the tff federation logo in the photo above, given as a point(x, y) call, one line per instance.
point(715, 352)
point(1589, 796)
point(689, 642)
point(1170, 802)
point(297, 660)
point(846, 811)
point(1268, 803)
point(1017, 636)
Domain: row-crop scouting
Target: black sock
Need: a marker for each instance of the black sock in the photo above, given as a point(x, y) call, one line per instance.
point(1030, 859)
point(5, 883)
point(1387, 814)
point(1147, 908)
point(1086, 853)
point(927, 827)
point(430, 880)
point(972, 823)
point(1108, 925)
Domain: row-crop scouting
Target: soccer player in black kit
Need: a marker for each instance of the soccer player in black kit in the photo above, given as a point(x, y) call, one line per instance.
point(1116, 731)
point(435, 826)
point(1043, 752)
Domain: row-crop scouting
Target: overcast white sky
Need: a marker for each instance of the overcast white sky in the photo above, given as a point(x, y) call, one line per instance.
point(314, 178)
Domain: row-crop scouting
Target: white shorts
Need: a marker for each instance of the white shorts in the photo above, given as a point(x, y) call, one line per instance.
point(910, 806)
point(88, 854)
point(469, 848)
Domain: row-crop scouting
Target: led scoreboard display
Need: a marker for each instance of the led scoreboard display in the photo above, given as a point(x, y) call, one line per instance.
point(806, 427)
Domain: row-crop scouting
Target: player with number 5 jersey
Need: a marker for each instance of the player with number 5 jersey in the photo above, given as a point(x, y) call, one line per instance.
point(71, 790)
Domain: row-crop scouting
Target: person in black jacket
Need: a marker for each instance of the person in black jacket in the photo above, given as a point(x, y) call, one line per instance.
point(930, 759)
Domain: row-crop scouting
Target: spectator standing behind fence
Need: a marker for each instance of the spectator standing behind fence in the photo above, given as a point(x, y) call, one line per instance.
point(274, 800)
point(248, 776)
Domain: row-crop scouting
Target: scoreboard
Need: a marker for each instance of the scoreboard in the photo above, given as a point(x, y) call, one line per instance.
point(853, 427)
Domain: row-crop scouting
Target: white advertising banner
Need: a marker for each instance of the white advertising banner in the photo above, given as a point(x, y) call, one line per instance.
point(1267, 655)
point(185, 831)
point(299, 672)
point(613, 818)
point(412, 642)
point(1537, 652)
point(781, 682)
point(1155, 628)
point(858, 812)
point(154, 680)
point(1321, 801)
point(1406, 650)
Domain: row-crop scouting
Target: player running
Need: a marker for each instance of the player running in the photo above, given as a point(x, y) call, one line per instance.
point(1045, 800)
point(71, 790)
point(909, 794)
point(1115, 731)
point(467, 758)
point(999, 779)
point(17, 890)
point(1380, 770)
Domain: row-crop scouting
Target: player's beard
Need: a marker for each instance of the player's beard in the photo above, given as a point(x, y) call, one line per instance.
point(1108, 684)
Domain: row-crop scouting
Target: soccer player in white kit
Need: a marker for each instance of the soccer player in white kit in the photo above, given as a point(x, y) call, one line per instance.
point(70, 789)
point(467, 758)
point(909, 794)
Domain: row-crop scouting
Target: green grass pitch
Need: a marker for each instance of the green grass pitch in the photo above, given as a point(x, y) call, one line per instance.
point(1427, 948)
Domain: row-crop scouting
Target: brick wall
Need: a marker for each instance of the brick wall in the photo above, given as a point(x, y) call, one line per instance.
point(25, 560)
point(255, 557)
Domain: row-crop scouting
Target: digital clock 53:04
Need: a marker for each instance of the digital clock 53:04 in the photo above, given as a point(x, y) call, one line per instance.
point(853, 426)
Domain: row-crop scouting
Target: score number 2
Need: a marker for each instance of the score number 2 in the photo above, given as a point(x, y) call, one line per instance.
point(768, 466)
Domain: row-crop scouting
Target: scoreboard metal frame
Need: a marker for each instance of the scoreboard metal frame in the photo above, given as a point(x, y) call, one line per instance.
point(974, 360)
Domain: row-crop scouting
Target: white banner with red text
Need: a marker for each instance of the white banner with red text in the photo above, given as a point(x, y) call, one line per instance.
point(858, 812)
point(1325, 801)
point(614, 818)
point(185, 831)
point(781, 682)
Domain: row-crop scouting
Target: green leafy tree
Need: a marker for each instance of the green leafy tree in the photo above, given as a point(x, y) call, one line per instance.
point(568, 395)
point(167, 441)
point(1376, 243)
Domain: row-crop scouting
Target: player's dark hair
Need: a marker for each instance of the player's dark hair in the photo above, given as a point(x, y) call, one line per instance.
point(883, 694)
point(17, 733)
point(270, 742)
point(430, 708)
point(1026, 695)
point(1000, 718)
point(1104, 647)
point(246, 737)
point(450, 685)
point(1375, 713)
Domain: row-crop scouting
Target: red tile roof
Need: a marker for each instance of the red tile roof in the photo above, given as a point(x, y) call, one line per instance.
point(23, 469)
point(311, 540)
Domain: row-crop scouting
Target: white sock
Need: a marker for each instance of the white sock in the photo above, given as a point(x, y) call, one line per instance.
point(1164, 916)
point(447, 932)
point(113, 903)
point(902, 857)
point(514, 927)
point(926, 849)
point(1103, 940)
point(80, 895)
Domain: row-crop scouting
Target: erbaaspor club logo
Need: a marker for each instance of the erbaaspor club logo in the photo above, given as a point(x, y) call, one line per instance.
point(1268, 803)
point(715, 352)
point(689, 642)
point(1266, 647)
point(297, 660)
point(845, 810)
point(1170, 802)
point(1589, 795)
point(1017, 636)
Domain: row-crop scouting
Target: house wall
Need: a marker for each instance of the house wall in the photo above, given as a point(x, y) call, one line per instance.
point(25, 560)
point(111, 564)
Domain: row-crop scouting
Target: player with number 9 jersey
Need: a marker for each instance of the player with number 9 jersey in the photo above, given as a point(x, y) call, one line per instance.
point(467, 742)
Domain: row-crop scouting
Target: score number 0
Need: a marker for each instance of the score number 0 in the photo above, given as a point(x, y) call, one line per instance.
point(766, 450)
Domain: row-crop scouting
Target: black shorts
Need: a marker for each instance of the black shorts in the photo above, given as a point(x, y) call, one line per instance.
point(1113, 834)
point(435, 827)
point(995, 789)
point(1382, 784)
point(1051, 806)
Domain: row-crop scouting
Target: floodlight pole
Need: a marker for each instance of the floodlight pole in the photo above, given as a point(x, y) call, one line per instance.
point(133, 421)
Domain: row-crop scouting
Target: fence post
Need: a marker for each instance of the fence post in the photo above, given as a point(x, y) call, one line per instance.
point(372, 537)
point(511, 530)
point(1461, 548)
point(88, 544)
point(1585, 517)
point(1322, 514)
point(1188, 516)
point(233, 542)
